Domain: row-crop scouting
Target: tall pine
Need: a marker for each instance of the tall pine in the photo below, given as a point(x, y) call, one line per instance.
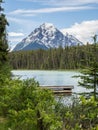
point(89, 74)
point(4, 68)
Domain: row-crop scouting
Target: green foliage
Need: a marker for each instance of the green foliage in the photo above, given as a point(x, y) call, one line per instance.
point(61, 58)
point(4, 69)
point(89, 74)
point(82, 114)
point(89, 115)
point(27, 106)
point(3, 124)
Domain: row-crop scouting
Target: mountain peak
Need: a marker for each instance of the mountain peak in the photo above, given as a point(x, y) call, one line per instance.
point(44, 37)
point(47, 25)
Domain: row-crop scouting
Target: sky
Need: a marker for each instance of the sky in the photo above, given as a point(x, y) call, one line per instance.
point(76, 17)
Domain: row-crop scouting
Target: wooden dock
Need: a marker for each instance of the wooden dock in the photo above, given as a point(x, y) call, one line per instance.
point(60, 89)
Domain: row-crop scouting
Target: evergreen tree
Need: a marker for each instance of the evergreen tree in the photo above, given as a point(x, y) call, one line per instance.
point(89, 77)
point(4, 71)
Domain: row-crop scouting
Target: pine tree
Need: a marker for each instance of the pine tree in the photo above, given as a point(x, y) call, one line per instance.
point(89, 77)
point(4, 69)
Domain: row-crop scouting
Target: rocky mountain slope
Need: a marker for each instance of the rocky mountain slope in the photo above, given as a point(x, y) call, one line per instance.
point(44, 37)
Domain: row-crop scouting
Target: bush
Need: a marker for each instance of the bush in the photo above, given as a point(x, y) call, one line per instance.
point(27, 106)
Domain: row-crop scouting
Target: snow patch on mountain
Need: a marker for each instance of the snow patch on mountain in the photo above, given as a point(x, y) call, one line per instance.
point(46, 36)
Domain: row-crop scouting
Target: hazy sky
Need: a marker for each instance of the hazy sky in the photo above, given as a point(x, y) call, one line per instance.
point(77, 17)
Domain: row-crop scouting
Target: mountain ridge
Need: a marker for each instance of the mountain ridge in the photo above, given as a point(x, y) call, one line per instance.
point(46, 36)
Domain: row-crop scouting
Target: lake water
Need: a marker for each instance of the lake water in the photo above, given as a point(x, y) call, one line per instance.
point(51, 78)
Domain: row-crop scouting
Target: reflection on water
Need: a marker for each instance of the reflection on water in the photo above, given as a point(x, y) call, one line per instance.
point(51, 78)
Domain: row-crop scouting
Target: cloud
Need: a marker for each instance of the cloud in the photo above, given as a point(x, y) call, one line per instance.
point(74, 2)
point(22, 23)
point(13, 42)
point(63, 2)
point(14, 34)
point(14, 38)
point(83, 31)
point(48, 10)
point(22, 27)
point(17, 20)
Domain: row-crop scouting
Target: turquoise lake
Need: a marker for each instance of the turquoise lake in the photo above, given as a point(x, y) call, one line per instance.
point(51, 78)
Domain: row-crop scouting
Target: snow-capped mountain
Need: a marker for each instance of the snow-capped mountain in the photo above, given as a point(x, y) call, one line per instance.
point(44, 37)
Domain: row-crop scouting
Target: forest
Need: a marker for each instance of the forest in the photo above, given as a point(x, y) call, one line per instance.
point(62, 58)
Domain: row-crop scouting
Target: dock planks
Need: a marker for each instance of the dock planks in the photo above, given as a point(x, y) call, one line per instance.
point(60, 89)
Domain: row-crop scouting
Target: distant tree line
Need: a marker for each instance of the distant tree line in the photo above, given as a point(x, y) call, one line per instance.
point(61, 58)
